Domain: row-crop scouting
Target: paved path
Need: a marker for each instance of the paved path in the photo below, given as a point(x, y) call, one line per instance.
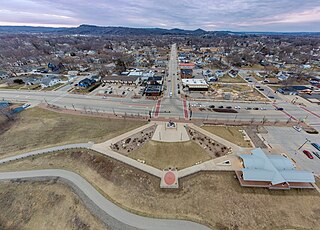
point(47, 150)
point(164, 134)
point(126, 219)
point(105, 149)
point(213, 165)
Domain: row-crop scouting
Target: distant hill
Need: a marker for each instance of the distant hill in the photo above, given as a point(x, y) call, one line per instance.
point(122, 31)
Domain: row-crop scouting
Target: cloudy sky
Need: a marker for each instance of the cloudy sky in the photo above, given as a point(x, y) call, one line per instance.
point(237, 15)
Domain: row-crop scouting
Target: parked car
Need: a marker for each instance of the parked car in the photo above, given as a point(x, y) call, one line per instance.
point(26, 105)
point(317, 154)
point(297, 128)
point(211, 106)
point(237, 107)
point(179, 91)
point(220, 107)
point(308, 154)
point(255, 108)
point(228, 107)
point(317, 146)
point(279, 108)
point(248, 108)
point(262, 108)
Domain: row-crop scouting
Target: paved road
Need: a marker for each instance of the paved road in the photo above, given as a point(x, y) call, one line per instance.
point(46, 150)
point(106, 208)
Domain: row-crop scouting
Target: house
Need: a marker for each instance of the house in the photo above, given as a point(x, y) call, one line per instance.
point(49, 81)
point(85, 83)
point(31, 80)
point(233, 73)
point(219, 73)
point(207, 73)
point(294, 90)
point(272, 171)
point(4, 75)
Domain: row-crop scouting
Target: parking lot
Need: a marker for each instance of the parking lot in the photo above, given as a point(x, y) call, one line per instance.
point(118, 90)
point(288, 140)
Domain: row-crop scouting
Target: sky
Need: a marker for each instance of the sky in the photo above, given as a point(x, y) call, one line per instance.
point(235, 15)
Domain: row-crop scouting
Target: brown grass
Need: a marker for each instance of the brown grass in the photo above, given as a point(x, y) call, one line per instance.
point(39, 128)
point(43, 205)
point(213, 198)
point(227, 79)
point(230, 133)
point(163, 155)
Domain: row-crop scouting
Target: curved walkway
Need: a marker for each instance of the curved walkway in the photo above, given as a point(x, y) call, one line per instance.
point(47, 150)
point(105, 209)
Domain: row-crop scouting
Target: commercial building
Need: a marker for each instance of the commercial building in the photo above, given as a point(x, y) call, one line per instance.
point(195, 84)
point(153, 90)
point(186, 73)
point(272, 171)
point(130, 80)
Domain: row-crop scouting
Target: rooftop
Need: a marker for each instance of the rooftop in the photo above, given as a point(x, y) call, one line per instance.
point(275, 169)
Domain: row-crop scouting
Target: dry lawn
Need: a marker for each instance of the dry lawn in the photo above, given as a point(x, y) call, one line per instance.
point(39, 128)
point(227, 79)
point(214, 198)
point(43, 205)
point(230, 133)
point(163, 155)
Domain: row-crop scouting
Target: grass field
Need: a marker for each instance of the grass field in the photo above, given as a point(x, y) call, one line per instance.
point(213, 198)
point(163, 155)
point(39, 128)
point(43, 205)
point(227, 79)
point(230, 133)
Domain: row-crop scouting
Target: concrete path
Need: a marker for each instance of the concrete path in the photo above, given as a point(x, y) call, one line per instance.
point(92, 197)
point(47, 150)
point(213, 165)
point(164, 134)
point(105, 149)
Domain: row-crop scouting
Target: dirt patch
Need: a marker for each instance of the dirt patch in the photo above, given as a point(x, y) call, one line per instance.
point(252, 132)
point(212, 147)
point(43, 205)
point(213, 198)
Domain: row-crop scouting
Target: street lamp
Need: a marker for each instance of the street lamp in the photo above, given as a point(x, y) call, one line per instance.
point(307, 140)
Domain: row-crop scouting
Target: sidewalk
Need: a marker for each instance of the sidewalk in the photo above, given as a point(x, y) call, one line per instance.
point(163, 134)
point(47, 150)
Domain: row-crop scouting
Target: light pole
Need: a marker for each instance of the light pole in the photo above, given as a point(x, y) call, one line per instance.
point(307, 140)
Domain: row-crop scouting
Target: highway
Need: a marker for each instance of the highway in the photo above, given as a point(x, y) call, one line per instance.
point(114, 216)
